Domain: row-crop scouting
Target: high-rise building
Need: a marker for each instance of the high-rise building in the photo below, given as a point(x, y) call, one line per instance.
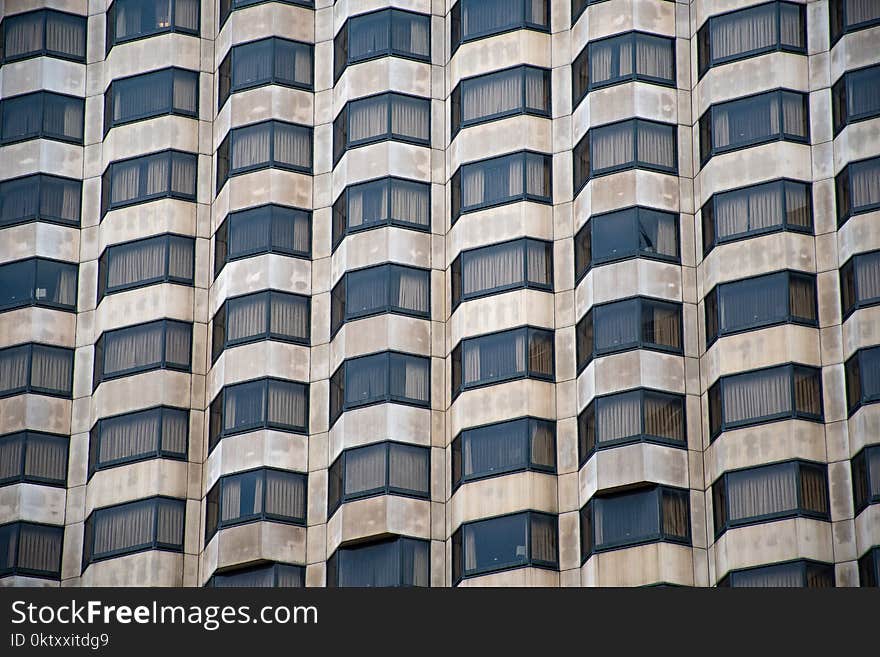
point(426, 292)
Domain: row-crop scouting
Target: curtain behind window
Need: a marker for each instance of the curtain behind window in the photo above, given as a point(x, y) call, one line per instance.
point(655, 144)
point(618, 416)
point(762, 491)
point(366, 379)
point(368, 118)
point(410, 378)
point(293, 145)
point(39, 548)
point(242, 497)
point(410, 202)
point(287, 403)
point(368, 35)
point(186, 14)
point(409, 289)
point(244, 406)
point(250, 146)
point(757, 395)
point(617, 325)
point(743, 31)
point(612, 146)
point(293, 63)
point(410, 117)
point(246, 317)
point(655, 57)
point(544, 538)
point(289, 316)
point(65, 34)
point(130, 264)
point(411, 34)
point(864, 184)
point(252, 64)
point(495, 448)
point(123, 528)
point(626, 518)
point(492, 268)
point(364, 470)
point(129, 436)
point(753, 301)
point(664, 416)
point(45, 458)
point(285, 495)
point(867, 276)
point(492, 95)
point(23, 34)
point(14, 368)
point(133, 348)
point(52, 369)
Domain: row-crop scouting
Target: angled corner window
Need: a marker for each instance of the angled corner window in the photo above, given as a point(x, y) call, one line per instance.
point(847, 16)
point(264, 229)
point(128, 20)
point(635, 517)
point(275, 144)
point(139, 97)
point(167, 174)
point(855, 97)
point(394, 562)
point(635, 323)
point(766, 395)
point(387, 468)
point(156, 433)
point(37, 369)
point(525, 444)
point(267, 315)
point(383, 33)
point(387, 377)
point(521, 263)
point(520, 353)
point(156, 523)
point(387, 288)
point(162, 344)
point(802, 573)
point(267, 61)
point(869, 568)
point(33, 457)
point(493, 96)
point(866, 478)
point(770, 492)
point(522, 176)
point(394, 116)
point(31, 550)
point(760, 301)
point(629, 144)
point(271, 575)
point(779, 115)
point(860, 282)
point(262, 494)
point(634, 416)
point(44, 32)
point(857, 189)
point(757, 210)
point(161, 259)
point(862, 378)
point(40, 197)
point(517, 540)
point(382, 202)
point(749, 32)
point(259, 404)
point(477, 19)
point(636, 232)
point(42, 115)
point(38, 282)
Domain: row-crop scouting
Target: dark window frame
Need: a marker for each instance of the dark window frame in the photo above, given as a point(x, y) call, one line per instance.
point(267, 566)
point(40, 180)
point(395, 543)
point(837, 23)
point(41, 98)
point(22, 476)
point(866, 491)
point(33, 302)
point(869, 568)
point(44, 51)
point(457, 39)
point(843, 190)
point(107, 204)
point(105, 290)
point(856, 395)
point(31, 572)
point(850, 299)
point(804, 565)
point(30, 388)
point(171, 72)
point(224, 153)
point(112, 40)
point(840, 93)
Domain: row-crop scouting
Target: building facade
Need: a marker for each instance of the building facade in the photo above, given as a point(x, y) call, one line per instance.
point(435, 293)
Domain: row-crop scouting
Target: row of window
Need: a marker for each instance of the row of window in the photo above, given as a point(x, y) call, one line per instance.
point(267, 315)
point(161, 344)
point(40, 197)
point(265, 144)
point(387, 32)
point(862, 378)
point(265, 61)
point(128, 20)
point(521, 263)
point(518, 90)
point(36, 368)
point(166, 174)
point(138, 97)
point(42, 114)
point(38, 282)
point(264, 229)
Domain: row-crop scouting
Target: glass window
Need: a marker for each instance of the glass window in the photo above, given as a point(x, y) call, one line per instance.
point(263, 494)
point(851, 15)
point(770, 492)
point(793, 574)
point(387, 377)
point(31, 550)
point(156, 523)
point(757, 210)
point(645, 515)
point(134, 19)
point(857, 189)
point(476, 19)
point(524, 352)
point(869, 568)
point(38, 282)
point(750, 32)
point(505, 542)
point(163, 344)
point(629, 144)
point(496, 449)
point(862, 378)
point(484, 98)
point(267, 61)
point(156, 433)
point(385, 116)
point(268, 315)
point(860, 282)
point(168, 174)
point(37, 369)
point(264, 229)
point(636, 323)
point(759, 301)
point(760, 396)
point(384, 33)
point(866, 478)
point(33, 457)
point(161, 259)
point(382, 202)
point(42, 115)
point(501, 267)
point(387, 468)
point(260, 145)
point(381, 289)
point(259, 404)
point(855, 97)
point(273, 575)
point(43, 32)
point(139, 97)
point(391, 562)
point(523, 176)
point(40, 197)
point(758, 119)
point(635, 416)
point(632, 233)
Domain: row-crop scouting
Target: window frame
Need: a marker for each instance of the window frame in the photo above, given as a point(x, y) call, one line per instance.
point(30, 388)
point(395, 542)
point(843, 186)
point(273, 566)
point(107, 204)
point(22, 477)
point(853, 368)
point(112, 40)
point(850, 269)
point(860, 464)
point(804, 565)
point(457, 39)
point(40, 179)
point(44, 51)
point(40, 98)
point(170, 72)
point(838, 30)
point(104, 290)
point(227, 145)
point(31, 572)
point(100, 375)
point(869, 568)
point(840, 93)
point(35, 279)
